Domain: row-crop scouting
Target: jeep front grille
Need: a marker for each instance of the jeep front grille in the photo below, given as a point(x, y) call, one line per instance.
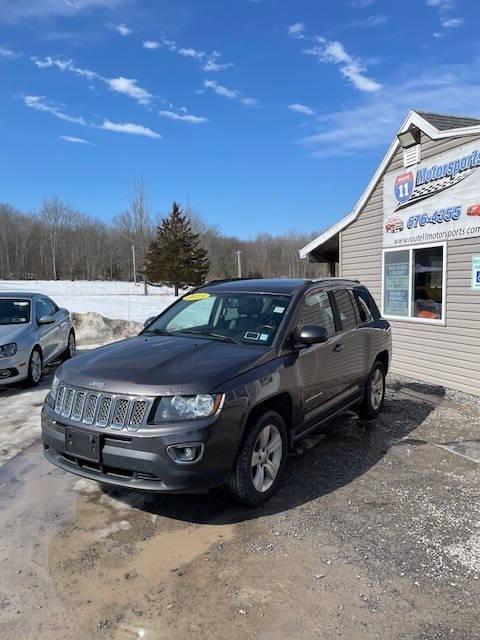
point(102, 409)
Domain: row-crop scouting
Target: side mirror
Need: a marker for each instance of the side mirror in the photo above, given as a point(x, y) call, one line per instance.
point(148, 321)
point(46, 320)
point(311, 334)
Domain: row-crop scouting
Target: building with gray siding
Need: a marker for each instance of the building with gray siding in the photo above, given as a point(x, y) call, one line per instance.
point(414, 239)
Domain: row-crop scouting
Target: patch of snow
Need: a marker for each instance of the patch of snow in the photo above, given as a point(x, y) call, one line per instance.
point(117, 300)
point(123, 525)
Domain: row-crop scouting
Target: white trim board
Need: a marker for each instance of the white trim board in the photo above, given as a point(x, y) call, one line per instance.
point(413, 118)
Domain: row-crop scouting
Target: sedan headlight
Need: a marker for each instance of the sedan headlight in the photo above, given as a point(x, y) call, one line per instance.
point(8, 350)
point(174, 408)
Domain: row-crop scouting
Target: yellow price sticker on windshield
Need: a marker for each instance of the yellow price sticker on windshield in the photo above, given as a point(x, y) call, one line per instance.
point(196, 296)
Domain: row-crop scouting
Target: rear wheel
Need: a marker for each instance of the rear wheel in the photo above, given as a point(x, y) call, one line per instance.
point(71, 347)
point(260, 460)
point(374, 393)
point(35, 365)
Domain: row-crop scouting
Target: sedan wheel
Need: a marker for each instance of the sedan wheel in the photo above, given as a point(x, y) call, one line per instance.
point(35, 365)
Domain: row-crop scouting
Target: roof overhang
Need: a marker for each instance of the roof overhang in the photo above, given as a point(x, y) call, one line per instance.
point(413, 119)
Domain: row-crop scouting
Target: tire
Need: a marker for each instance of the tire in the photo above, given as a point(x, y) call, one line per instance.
point(374, 397)
point(71, 346)
point(252, 484)
point(35, 365)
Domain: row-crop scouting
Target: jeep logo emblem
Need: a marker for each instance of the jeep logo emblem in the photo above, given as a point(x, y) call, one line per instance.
point(96, 384)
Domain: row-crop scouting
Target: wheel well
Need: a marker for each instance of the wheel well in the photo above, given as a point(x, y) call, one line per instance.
point(37, 347)
point(383, 358)
point(281, 403)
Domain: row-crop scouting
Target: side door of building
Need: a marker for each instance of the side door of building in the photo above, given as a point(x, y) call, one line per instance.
point(315, 363)
point(352, 344)
point(47, 333)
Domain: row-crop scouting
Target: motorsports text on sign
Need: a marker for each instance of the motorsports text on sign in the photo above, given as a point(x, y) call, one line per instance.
point(476, 273)
point(437, 200)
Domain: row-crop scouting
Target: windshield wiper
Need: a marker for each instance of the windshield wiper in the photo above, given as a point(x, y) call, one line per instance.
point(207, 332)
point(158, 332)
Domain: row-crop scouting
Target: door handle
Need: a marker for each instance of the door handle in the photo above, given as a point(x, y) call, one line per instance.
point(338, 347)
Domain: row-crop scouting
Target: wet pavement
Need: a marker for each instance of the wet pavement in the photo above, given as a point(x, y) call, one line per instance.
point(375, 533)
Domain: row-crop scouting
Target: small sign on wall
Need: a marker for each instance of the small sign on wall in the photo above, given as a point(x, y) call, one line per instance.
point(476, 273)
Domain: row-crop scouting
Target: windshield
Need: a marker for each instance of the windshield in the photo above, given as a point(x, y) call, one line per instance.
point(244, 318)
point(14, 311)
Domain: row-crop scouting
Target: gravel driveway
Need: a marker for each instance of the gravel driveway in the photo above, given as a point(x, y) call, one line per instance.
point(374, 534)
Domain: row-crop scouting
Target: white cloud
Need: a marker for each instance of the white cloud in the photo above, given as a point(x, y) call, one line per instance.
point(129, 87)
point(122, 29)
point(212, 63)
point(301, 108)
point(8, 53)
point(74, 140)
point(351, 68)
point(130, 128)
point(372, 124)
point(41, 104)
point(183, 117)
point(16, 10)
point(126, 86)
point(377, 20)
point(151, 44)
point(232, 94)
point(191, 53)
point(296, 30)
point(452, 23)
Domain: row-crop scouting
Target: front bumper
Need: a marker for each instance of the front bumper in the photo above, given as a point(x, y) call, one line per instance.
point(137, 460)
point(16, 366)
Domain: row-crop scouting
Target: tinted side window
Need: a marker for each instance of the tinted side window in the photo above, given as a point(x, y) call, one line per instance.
point(317, 310)
point(367, 305)
point(346, 310)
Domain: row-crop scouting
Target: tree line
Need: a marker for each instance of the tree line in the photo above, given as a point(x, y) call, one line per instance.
point(58, 242)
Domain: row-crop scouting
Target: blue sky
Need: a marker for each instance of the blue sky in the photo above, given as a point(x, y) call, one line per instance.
point(266, 115)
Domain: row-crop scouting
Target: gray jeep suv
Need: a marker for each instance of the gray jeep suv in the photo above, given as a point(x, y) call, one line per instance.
point(217, 388)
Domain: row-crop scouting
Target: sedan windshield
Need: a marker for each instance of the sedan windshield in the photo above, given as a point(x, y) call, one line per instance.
point(242, 318)
point(14, 311)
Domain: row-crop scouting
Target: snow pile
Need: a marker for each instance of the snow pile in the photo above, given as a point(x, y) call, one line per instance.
point(120, 300)
point(92, 328)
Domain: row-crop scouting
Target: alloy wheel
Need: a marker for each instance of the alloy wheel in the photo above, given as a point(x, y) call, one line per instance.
point(36, 366)
point(377, 389)
point(266, 458)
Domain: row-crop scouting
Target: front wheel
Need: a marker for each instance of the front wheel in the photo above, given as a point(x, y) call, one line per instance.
point(374, 393)
point(35, 365)
point(260, 460)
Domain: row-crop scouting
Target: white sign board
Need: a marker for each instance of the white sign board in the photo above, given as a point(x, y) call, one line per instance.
point(476, 273)
point(436, 200)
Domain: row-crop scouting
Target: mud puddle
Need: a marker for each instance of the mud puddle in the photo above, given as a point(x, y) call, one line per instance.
point(76, 562)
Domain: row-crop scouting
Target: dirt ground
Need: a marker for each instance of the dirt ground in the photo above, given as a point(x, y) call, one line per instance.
point(375, 533)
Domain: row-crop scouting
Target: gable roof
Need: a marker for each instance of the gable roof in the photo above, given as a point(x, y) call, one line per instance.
point(444, 122)
point(435, 126)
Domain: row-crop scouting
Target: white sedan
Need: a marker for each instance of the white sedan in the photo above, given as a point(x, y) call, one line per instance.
point(33, 333)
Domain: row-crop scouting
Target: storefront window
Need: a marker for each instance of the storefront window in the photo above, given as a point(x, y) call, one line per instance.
point(428, 283)
point(413, 283)
point(396, 276)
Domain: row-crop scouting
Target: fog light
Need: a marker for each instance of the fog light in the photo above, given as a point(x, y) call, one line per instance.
point(5, 373)
point(185, 453)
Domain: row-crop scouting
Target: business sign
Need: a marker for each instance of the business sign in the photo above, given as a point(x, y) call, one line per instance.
point(476, 273)
point(434, 201)
point(396, 289)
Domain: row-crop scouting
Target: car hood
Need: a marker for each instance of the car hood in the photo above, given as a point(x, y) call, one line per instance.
point(12, 332)
point(161, 365)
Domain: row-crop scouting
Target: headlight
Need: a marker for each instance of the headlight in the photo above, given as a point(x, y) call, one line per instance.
point(8, 350)
point(174, 408)
point(55, 385)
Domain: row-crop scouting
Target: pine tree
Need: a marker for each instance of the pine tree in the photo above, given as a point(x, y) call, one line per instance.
point(175, 257)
